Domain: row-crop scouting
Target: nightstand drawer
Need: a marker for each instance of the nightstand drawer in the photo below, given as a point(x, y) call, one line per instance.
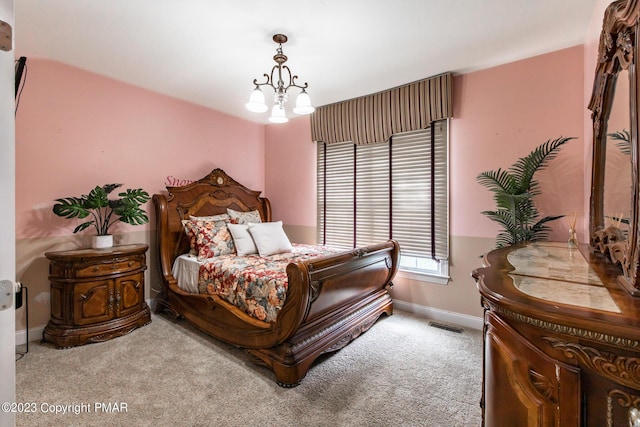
point(115, 266)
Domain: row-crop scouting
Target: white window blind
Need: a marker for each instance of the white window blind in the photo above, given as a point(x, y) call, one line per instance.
point(410, 192)
point(441, 189)
point(372, 194)
point(337, 204)
point(419, 193)
point(398, 189)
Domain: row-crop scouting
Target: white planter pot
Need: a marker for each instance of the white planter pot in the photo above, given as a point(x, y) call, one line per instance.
point(101, 242)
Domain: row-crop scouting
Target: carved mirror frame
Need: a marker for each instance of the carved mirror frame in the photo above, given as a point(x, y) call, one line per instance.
point(618, 50)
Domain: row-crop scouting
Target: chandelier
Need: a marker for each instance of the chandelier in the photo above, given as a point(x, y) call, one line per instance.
point(280, 74)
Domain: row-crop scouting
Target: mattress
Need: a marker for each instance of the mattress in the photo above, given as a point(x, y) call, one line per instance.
point(186, 270)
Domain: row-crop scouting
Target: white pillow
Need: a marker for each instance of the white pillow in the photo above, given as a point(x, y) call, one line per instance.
point(270, 238)
point(242, 239)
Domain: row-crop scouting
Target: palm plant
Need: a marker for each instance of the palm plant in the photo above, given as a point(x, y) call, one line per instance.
point(104, 212)
point(624, 140)
point(514, 190)
point(623, 143)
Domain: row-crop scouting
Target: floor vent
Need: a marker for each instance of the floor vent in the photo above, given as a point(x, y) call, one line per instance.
point(446, 327)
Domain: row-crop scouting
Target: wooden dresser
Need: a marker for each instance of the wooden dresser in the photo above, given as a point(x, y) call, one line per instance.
point(96, 295)
point(561, 339)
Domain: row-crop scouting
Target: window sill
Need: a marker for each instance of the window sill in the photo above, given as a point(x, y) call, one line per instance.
point(423, 277)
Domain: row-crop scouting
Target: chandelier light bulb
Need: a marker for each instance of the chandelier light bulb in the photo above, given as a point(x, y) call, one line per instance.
point(303, 104)
point(278, 114)
point(256, 102)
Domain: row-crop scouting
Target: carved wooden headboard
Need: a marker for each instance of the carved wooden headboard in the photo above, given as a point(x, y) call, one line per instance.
point(210, 195)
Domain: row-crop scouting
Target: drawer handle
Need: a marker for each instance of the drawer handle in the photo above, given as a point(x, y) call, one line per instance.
point(84, 297)
point(130, 263)
point(96, 268)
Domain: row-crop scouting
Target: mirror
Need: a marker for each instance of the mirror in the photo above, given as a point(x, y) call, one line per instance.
point(617, 167)
point(615, 182)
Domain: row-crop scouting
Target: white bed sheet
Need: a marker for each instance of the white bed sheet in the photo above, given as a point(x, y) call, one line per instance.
point(186, 269)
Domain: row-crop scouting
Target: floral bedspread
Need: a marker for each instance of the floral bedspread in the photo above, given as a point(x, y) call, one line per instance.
point(257, 285)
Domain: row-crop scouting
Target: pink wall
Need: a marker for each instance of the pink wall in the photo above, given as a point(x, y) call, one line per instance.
point(501, 114)
point(290, 159)
point(76, 130)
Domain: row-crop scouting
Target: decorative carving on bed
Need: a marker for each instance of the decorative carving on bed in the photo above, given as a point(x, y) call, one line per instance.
point(224, 192)
point(329, 301)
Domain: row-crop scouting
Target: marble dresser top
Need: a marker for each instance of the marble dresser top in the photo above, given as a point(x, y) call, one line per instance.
point(556, 272)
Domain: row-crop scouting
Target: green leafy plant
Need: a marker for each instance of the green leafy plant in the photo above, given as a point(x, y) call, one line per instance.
point(104, 212)
point(514, 190)
point(624, 140)
point(623, 143)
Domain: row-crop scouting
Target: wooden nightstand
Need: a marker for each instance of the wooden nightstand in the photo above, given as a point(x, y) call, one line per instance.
point(96, 294)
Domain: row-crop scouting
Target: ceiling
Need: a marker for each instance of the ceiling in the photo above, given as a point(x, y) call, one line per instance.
point(208, 52)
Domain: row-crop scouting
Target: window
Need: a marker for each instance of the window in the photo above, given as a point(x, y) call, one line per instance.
point(397, 189)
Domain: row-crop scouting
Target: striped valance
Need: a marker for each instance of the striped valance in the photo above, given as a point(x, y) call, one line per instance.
point(374, 118)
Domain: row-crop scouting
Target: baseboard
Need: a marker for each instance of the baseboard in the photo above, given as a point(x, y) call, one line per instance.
point(35, 334)
point(444, 316)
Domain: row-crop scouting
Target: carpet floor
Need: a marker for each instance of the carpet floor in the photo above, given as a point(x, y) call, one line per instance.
point(402, 372)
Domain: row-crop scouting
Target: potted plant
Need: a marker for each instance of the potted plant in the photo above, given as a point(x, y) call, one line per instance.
point(514, 190)
point(104, 212)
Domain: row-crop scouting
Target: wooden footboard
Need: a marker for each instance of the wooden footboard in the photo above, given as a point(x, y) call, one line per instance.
point(330, 300)
point(345, 295)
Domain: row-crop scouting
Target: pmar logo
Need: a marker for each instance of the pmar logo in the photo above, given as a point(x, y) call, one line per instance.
point(110, 407)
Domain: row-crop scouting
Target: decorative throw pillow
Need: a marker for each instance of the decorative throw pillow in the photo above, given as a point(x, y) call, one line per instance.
point(219, 217)
point(270, 238)
point(242, 239)
point(209, 238)
point(237, 217)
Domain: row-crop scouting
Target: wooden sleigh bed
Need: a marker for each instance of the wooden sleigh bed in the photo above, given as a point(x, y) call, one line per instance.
point(329, 301)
